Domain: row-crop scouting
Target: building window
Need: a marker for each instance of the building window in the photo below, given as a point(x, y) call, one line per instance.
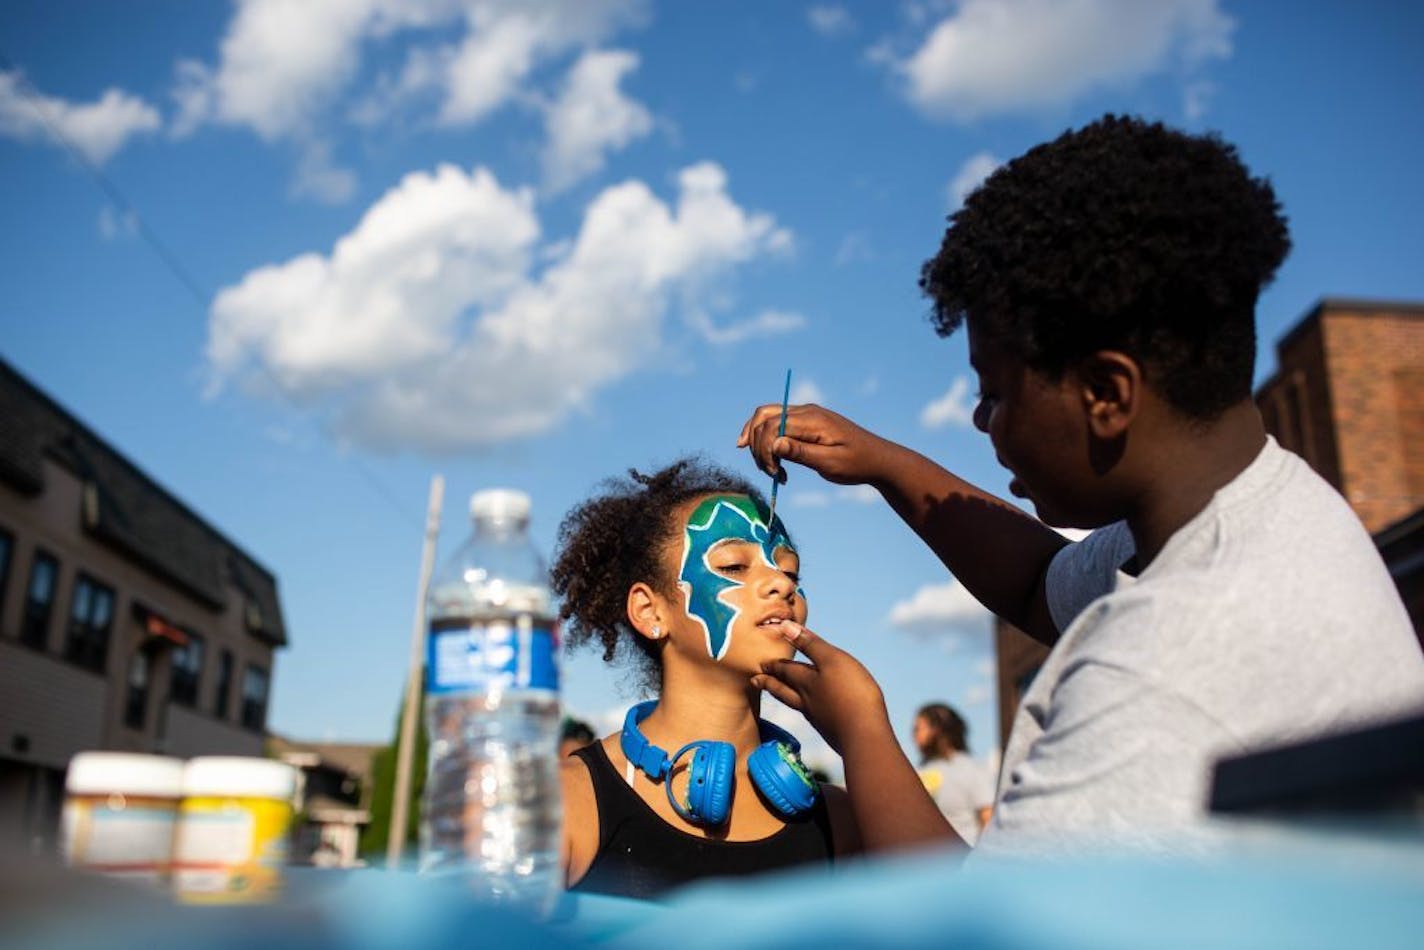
point(7, 547)
point(224, 684)
point(254, 698)
point(136, 700)
point(39, 600)
point(187, 671)
point(91, 614)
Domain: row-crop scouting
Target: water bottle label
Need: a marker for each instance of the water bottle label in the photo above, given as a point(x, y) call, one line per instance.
point(483, 657)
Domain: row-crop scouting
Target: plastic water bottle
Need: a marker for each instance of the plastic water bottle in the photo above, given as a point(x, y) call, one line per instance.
point(492, 810)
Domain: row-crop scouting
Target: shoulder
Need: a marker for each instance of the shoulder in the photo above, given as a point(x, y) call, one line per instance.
point(581, 828)
point(1085, 570)
point(845, 833)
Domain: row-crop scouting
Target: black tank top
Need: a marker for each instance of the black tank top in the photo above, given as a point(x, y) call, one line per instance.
point(641, 855)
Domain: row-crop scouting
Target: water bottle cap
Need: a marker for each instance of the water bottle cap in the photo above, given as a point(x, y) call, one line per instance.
point(500, 505)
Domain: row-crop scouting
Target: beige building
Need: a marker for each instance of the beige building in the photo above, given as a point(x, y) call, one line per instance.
point(126, 621)
point(335, 805)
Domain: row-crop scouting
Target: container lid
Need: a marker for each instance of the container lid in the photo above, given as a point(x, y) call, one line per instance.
point(500, 505)
point(128, 773)
point(239, 777)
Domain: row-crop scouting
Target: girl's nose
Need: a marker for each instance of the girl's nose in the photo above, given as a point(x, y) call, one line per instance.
point(776, 583)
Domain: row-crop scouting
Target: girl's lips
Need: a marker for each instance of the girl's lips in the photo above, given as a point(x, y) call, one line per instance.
point(1016, 488)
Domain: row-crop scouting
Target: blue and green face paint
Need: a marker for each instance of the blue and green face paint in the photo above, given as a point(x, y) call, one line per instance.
point(716, 519)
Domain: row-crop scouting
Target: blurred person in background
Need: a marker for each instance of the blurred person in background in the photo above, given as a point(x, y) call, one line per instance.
point(574, 735)
point(961, 787)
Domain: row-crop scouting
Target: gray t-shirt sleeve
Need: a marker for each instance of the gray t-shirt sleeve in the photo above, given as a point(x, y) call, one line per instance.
point(1082, 572)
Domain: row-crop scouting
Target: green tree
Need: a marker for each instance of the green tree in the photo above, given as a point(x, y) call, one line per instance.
point(383, 787)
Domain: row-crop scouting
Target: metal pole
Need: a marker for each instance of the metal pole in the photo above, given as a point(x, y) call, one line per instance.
point(405, 748)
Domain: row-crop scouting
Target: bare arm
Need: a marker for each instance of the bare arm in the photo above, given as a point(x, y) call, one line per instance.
point(842, 701)
point(580, 842)
point(992, 547)
point(845, 833)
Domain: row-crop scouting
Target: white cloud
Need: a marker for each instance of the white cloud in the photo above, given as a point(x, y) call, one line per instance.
point(96, 129)
point(280, 63)
point(508, 39)
point(764, 324)
point(955, 407)
point(830, 20)
point(941, 608)
point(591, 117)
point(114, 224)
point(318, 178)
point(843, 494)
point(970, 176)
point(806, 390)
point(283, 66)
point(425, 329)
point(978, 694)
point(990, 57)
point(1196, 98)
point(871, 386)
point(854, 247)
point(860, 494)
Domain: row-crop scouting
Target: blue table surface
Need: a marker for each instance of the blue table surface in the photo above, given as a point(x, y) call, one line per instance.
point(1276, 890)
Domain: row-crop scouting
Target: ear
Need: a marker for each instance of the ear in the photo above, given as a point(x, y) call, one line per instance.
point(1110, 385)
point(646, 612)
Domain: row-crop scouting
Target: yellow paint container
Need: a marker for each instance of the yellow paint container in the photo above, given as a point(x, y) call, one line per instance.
point(120, 811)
point(231, 843)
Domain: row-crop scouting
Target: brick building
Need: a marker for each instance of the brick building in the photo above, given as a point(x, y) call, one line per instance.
point(1348, 397)
point(126, 621)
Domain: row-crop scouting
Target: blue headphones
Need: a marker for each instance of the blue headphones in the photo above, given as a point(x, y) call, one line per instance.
point(775, 767)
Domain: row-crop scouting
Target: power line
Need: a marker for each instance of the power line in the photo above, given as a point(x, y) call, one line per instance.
point(150, 237)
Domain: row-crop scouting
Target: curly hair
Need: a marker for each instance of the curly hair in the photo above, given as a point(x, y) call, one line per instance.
point(1121, 235)
point(618, 538)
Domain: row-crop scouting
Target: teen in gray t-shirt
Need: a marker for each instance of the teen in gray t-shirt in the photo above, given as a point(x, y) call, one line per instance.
point(1229, 639)
point(1108, 282)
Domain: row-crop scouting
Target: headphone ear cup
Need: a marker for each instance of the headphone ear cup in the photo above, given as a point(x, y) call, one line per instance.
point(709, 782)
point(787, 787)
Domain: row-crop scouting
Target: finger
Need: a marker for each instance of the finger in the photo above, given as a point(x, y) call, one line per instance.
point(793, 673)
point(785, 694)
point(758, 416)
point(813, 647)
point(763, 437)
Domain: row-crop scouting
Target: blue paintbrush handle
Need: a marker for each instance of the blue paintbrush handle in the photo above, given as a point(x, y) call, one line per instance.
point(780, 431)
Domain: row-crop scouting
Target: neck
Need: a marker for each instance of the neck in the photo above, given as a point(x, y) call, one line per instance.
point(699, 707)
point(1187, 470)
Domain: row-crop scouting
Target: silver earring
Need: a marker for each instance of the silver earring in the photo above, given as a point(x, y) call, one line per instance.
point(657, 632)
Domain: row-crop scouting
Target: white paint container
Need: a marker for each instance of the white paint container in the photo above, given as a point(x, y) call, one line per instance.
point(120, 812)
point(231, 844)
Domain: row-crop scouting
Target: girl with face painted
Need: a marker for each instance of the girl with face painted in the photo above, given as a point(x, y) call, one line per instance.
point(680, 572)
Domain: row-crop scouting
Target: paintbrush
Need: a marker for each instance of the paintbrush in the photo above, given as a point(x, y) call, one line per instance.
point(780, 431)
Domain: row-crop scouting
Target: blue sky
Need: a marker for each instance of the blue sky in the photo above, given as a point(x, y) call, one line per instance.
point(294, 258)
